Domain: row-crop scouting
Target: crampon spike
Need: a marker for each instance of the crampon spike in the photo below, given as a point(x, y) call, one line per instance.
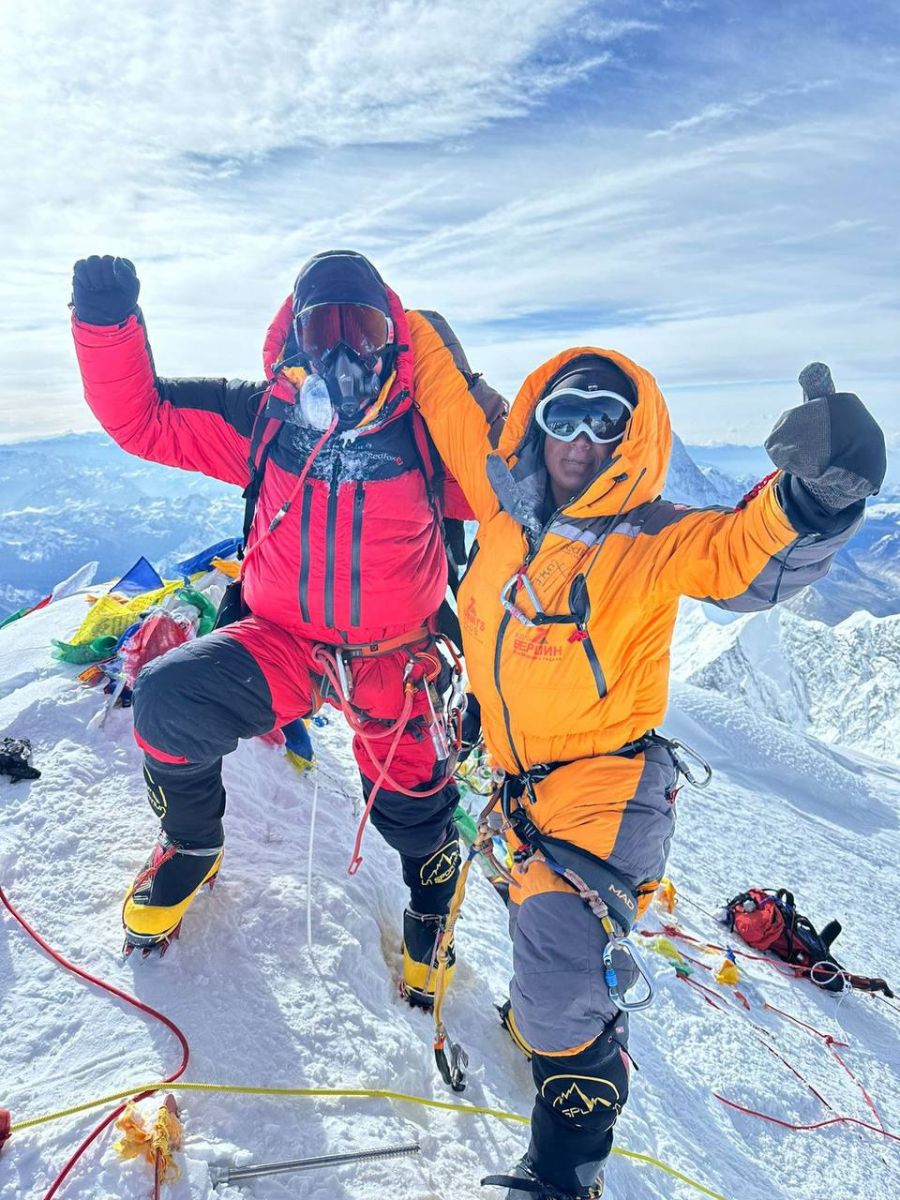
point(149, 945)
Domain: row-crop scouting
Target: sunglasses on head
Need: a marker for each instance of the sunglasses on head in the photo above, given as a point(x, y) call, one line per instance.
point(364, 330)
point(567, 413)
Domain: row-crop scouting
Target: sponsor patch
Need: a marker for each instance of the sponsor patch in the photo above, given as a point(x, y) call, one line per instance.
point(578, 1095)
point(472, 622)
point(534, 645)
point(441, 866)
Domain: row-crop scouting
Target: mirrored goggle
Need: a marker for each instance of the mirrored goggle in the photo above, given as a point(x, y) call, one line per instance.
point(363, 329)
point(601, 415)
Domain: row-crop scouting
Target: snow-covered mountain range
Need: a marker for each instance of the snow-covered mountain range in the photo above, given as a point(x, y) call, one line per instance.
point(79, 498)
point(839, 683)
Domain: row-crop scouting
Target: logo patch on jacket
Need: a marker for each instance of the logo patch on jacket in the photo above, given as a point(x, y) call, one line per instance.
point(472, 622)
point(534, 644)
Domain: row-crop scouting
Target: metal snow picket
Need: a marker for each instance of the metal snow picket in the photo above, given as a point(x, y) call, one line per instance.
point(219, 1175)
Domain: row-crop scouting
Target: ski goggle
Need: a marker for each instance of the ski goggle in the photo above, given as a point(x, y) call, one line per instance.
point(567, 413)
point(364, 330)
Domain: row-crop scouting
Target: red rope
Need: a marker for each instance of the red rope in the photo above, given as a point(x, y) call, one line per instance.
point(758, 1034)
point(356, 858)
point(826, 1037)
point(832, 1043)
point(751, 1112)
point(132, 1000)
point(868, 1099)
point(328, 664)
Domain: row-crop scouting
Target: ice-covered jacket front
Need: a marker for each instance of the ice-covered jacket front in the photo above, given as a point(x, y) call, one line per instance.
point(358, 555)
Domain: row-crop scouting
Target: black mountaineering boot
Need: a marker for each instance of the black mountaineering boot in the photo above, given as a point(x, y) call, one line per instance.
point(431, 880)
point(421, 934)
point(523, 1184)
point(508, 1021)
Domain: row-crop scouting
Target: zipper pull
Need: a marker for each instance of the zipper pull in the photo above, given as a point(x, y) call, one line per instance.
point(279, 516)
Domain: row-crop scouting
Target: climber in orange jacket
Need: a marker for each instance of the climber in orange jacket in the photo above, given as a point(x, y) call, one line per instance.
point(567, 613)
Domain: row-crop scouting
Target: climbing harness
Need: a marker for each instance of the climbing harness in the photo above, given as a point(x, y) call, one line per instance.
point(424, 668)
point(607, 893)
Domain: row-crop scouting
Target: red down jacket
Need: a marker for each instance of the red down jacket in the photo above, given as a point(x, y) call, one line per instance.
point(359, 554)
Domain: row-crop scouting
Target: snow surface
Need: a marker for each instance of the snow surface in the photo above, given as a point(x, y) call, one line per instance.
point(260, 1007)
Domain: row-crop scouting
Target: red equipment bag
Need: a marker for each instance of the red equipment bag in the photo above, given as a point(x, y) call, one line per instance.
point(767, 919)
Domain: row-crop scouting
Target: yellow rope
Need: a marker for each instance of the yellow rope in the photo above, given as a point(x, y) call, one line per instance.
point(376, 1093)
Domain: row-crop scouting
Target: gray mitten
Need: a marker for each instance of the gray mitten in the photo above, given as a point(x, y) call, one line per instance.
point(831, 443)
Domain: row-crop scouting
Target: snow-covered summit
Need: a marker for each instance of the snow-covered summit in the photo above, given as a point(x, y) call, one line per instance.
point(261, 1008)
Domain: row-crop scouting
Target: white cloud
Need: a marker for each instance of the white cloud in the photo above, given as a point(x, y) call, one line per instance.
point(493, 164)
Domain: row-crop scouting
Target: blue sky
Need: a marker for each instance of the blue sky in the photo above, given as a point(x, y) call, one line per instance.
point(709, 187)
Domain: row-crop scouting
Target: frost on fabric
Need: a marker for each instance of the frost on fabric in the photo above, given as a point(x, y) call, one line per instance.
point(342, 459)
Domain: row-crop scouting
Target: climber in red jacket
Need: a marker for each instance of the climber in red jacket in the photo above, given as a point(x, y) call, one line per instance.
point(344, 571)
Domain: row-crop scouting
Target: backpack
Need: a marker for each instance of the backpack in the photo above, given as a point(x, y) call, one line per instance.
point(767, 919)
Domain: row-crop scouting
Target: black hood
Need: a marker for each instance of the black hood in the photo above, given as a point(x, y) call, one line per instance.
point(340, 277)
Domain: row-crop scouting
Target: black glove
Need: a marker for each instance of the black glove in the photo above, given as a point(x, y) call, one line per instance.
point(834, 449)
point(104, 290)
point(15, 759)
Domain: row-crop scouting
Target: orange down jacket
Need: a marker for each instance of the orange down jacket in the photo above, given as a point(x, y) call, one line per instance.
point(573, 692)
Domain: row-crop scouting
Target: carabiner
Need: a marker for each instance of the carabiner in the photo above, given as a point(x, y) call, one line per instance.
point(451, 1060)
point(438, 727)
point(682, 763)
point(611, 976)
point(343, 675)
point(508, 598)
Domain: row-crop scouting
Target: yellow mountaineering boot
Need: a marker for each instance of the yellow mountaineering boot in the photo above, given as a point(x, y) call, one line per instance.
point(421, 935)
point(162, 892)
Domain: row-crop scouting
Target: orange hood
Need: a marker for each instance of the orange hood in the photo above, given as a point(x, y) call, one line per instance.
point(642, 456)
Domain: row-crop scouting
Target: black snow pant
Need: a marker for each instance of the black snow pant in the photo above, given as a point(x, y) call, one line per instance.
point(194, 704)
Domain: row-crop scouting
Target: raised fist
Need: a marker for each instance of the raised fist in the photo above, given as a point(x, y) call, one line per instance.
point(834, 446)
point(104, 289)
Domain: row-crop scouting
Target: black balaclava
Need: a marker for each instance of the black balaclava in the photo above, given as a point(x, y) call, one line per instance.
point(587, 373)
point(344, 277)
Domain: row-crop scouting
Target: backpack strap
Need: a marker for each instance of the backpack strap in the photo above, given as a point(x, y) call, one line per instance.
point(488, 399)
point(430, 461)
point(269, 420)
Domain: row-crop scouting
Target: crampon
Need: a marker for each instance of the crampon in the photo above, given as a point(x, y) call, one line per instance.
point(163, 891)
